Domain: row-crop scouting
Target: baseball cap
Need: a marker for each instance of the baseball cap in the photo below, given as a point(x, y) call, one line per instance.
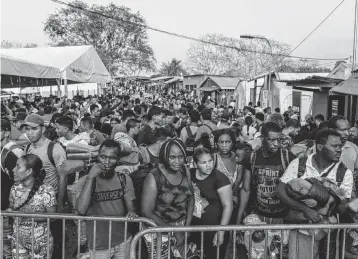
point(5, 125)
point(34, 120)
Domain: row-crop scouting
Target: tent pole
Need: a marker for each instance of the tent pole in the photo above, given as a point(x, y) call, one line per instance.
point(66, 88)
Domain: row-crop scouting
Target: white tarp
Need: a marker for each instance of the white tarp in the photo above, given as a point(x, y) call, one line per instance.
point(76, 63)
point(17, 67)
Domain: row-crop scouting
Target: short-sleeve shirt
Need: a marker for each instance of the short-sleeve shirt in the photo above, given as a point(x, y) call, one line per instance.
point(59, 157)
point(267, 171)
point(108, 200)
point(311, 172)
point(209, 191)
point(45, 197)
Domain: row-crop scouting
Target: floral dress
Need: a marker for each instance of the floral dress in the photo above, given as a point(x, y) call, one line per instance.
point(44, 198)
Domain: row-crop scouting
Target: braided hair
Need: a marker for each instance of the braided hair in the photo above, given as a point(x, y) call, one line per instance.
point(34, 162)
point(165, 150)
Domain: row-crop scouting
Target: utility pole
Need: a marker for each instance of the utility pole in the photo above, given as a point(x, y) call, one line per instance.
point(269, 76)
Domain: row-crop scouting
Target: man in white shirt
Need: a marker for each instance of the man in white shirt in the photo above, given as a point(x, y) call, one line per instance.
point(64, 129)
point(324, 163)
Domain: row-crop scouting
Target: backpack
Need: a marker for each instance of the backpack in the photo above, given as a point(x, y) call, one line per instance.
point(144, 156)
point(138, 178)
point(341, 170)
point(189, 142)
point(285, 159)
point(50, 147)
point(211, 135)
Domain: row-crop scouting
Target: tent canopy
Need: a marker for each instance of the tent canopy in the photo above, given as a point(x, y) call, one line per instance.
point(77, 64)
point(350, 86)
point(18, 67)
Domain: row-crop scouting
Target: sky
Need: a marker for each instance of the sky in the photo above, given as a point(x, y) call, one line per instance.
point(287, 21)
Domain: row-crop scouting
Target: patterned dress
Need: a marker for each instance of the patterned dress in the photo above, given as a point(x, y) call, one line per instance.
point(44, 198)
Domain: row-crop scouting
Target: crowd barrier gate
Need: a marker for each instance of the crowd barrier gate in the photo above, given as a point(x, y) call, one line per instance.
point(64, 217)
point(234, 229)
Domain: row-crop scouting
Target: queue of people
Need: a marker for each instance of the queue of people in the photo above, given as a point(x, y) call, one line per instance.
point(177, 163)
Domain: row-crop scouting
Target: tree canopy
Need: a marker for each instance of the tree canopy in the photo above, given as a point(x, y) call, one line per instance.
point(122, 46)
point(8, 44)
point(212, 59)
point(172, 68)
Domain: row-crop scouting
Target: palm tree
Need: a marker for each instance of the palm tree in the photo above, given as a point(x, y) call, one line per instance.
point(172, 68)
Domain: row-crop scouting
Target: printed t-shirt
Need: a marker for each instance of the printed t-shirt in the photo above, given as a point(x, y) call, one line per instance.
point(267, 172)
point(59, 157)
point(209, 191)
point(108, 200)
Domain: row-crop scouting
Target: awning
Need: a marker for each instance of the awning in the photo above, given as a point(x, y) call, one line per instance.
point(18, 67)
point(209, 88)
point(77, 64)
point(350, 86)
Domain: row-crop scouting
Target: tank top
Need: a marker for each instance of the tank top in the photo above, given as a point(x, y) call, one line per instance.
point(220, 166)
point(172, 200)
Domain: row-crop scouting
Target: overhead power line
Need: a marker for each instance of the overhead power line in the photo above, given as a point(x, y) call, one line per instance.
point(313, 31)
point(189, 37)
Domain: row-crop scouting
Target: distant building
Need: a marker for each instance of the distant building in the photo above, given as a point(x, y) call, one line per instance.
point(342, 70)
point(220, 88)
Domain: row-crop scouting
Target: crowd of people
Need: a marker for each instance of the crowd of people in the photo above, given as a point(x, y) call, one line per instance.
point(177, 162)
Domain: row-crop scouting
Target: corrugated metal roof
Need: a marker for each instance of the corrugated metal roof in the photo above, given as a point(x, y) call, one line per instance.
point(161, 78)
point(350, 86)
point(175, 79)
point(288, 76)
point(226, 82)
point(284, 77)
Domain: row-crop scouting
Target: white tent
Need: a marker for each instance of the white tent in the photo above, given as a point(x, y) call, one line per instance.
point(75, 63)
point(18, 67)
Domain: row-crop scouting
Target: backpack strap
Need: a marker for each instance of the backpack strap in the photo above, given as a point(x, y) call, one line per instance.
point(301, 166)
point(285, 158)
point(253, 160)
point(144, 153)
point(341, 172)
point(208, 127)
point(190, 133)
point(27, 149)
point(50, 152)
point(123, 181)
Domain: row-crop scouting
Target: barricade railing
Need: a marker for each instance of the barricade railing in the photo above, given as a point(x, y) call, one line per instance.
point(235, 230)
point(63, 217)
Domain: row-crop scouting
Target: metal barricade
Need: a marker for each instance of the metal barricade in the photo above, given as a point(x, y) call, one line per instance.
point(235, 230)
point(63, 217)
